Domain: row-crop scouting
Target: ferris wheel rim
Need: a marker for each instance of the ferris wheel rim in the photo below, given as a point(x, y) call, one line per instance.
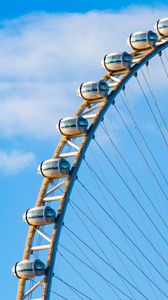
point(151, 53)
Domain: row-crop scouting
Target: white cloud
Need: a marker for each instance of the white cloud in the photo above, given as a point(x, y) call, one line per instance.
point(44, 57)
point(15, 161)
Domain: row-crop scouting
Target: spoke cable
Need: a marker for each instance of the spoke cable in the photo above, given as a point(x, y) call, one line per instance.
point(100, 248)
point(155, 100)
point(111, 210)
point(142, 136)
point(127, 225)
point(138, 202)
point(76, 271)
point(97, 225)
point(91, 263)
point(122, 230)
point(134, 176)
point(140, 151)
point(151, 110)
point(114, 269)
point(83, 262)
point(118, 248)
point(55, 293)
point(72, 287)
point(163, 64)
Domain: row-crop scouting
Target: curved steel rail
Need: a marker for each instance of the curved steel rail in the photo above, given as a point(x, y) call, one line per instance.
point(142, 58)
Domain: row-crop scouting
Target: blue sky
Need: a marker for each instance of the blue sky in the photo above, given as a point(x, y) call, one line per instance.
point(11, 9)
point(38, 82)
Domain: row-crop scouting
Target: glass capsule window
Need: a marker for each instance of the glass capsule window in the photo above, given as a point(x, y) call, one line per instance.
point(127, 58)
point(113, 59)
point(68, 123)
point(50, 165)
point(39, 266)
point(92, 87)
point(103, 86)
point(64, 164)
point(36, 214)
point(82, 122)
point(53, 165)
point(163, 24)
point(63, 123)
point(152, 36)
point(118, 58)
point(141, 37)
point(24, 267)
point(50, 212)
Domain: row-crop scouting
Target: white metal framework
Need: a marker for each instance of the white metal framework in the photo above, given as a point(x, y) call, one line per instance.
point(93, 111)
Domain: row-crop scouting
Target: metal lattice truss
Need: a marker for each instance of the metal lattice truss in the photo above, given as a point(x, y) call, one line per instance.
point(93, 111)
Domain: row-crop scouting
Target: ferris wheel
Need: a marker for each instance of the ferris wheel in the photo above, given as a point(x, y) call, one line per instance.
point(120, 274)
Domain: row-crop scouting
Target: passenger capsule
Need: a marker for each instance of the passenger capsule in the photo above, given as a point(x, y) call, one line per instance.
point(142, 40)
point(28, 269)
point(93, 90)
point(72, 126)
point(41, 215)
point(54, 168)
point(161, 27)
point(117, 61)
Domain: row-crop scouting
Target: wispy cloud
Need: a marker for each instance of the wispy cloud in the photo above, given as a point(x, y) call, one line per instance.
point(44, 57)
point(15, 161)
